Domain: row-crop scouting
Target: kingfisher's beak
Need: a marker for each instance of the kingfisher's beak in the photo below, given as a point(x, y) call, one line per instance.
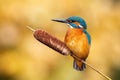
point(58, 20)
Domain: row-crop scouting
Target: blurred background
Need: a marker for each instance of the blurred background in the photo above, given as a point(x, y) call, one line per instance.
point(22, 57)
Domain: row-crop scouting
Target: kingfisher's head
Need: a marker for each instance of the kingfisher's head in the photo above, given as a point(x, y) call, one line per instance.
point(73, 22)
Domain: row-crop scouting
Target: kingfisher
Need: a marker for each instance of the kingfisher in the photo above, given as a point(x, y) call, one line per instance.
point(77, 39)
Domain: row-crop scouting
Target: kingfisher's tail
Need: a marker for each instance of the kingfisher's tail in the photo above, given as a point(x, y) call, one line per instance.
point(78, 65)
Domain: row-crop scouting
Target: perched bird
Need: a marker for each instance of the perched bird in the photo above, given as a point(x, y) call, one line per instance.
point(77, 39)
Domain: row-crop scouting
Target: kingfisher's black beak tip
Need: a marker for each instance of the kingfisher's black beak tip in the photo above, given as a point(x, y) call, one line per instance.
point(58, 20)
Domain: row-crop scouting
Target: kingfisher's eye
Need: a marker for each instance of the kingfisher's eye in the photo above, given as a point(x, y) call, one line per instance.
point(70, 21)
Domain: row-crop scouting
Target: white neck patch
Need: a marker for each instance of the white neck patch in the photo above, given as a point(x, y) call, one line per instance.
point(69, 25)
point(80, 26)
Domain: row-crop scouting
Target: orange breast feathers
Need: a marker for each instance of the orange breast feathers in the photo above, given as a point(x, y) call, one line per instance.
point(76, 40)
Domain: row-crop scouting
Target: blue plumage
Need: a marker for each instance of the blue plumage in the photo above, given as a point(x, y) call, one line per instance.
point(88, 36)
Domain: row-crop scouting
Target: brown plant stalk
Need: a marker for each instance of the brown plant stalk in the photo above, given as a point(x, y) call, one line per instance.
point(59, 46)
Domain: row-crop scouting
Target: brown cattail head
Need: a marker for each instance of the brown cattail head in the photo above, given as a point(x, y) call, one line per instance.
point(51, 42)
